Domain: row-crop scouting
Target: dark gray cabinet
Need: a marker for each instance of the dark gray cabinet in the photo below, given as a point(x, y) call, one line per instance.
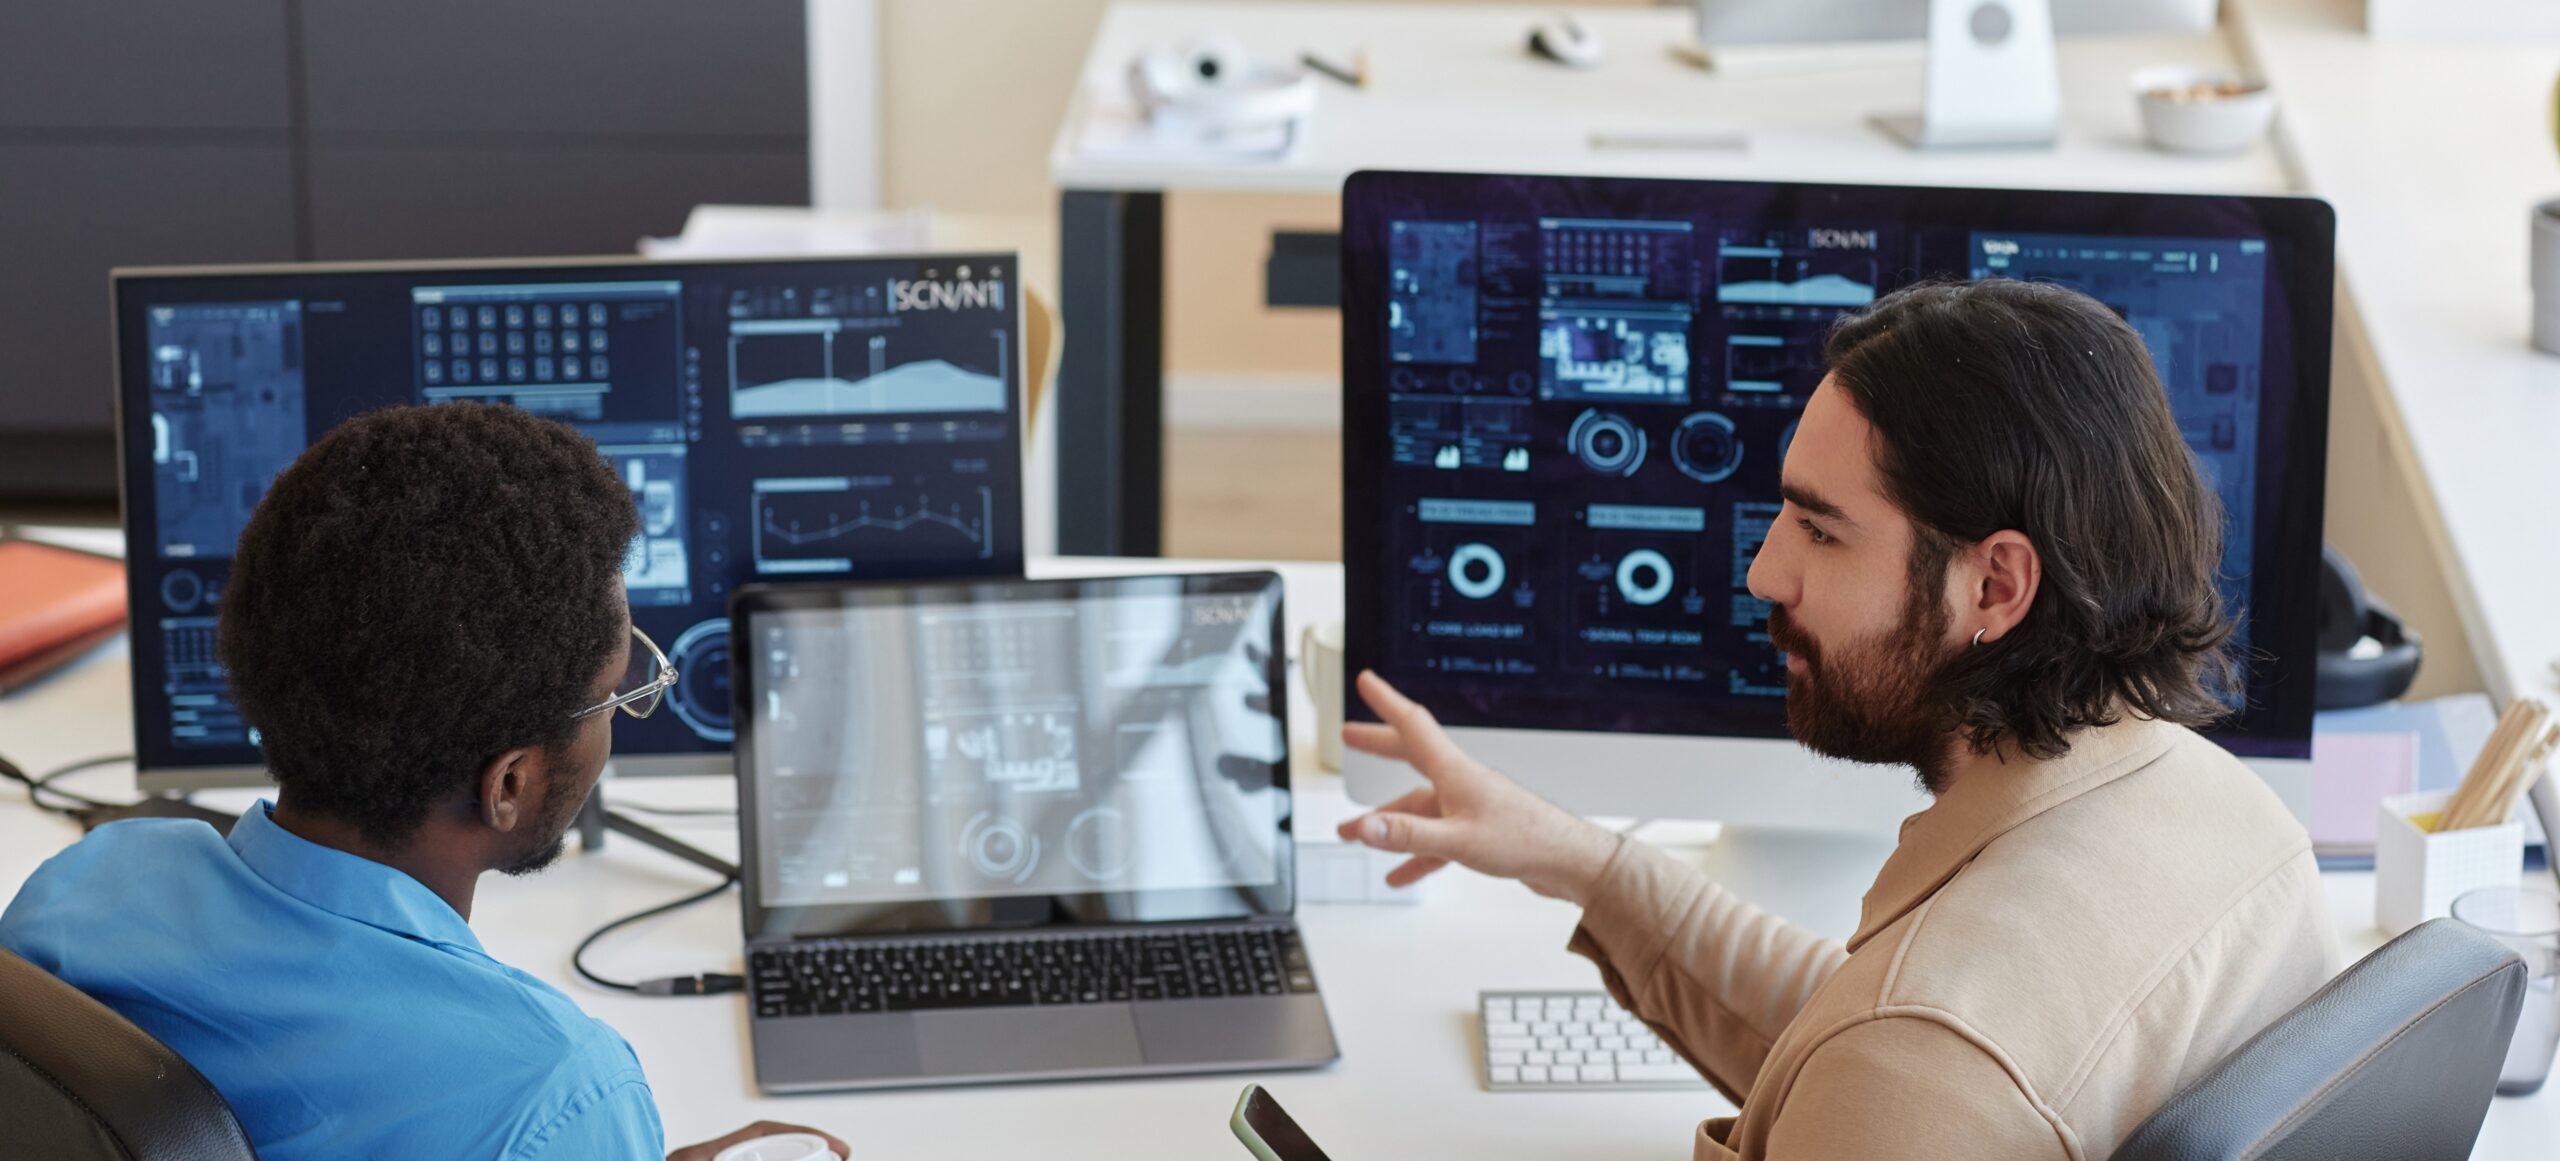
point(142, 132)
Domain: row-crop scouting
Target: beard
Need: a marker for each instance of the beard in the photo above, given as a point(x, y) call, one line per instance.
point(1875, 700)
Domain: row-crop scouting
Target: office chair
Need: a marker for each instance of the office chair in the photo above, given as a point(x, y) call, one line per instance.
point(2395, 1058)
point(80, 1083)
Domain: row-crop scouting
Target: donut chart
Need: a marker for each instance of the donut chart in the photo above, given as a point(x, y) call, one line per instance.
point(701, 694)
point(1000, 848)
point(1644, 577)
point(1705, 448)
point(1607, 442)
point(1477, 571)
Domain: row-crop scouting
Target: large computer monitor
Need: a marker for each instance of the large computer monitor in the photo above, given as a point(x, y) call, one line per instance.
point(1565, 405)
point(774, 419)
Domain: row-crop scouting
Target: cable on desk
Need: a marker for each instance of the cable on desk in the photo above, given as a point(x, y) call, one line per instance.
point(706, 984)
point(80, 805)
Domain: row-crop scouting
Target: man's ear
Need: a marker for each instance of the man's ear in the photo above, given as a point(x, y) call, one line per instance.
point(510, 787)
point(2008, 572)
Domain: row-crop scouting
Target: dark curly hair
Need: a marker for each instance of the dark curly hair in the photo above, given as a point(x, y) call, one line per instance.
point(2002, 404)
point(424, 589)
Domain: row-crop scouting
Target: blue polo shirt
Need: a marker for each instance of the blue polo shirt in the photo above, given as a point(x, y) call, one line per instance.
point(340, 1006)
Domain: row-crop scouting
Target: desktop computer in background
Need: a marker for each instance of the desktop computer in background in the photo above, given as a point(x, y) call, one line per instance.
point(775, 420)
point(1565, 403)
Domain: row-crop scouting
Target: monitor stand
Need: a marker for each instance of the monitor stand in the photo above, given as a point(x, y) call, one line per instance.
point(595, 818)
point(1991, 81)
point(1815, 879)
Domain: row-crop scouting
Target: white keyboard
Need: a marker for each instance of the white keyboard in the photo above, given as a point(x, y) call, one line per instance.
point(1573, 1040)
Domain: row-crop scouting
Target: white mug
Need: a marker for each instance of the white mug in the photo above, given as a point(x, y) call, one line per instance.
point(1320, 665)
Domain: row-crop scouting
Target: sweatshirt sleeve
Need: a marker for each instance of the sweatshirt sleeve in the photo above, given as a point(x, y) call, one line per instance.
point(1912, 1088)
point(1715, 977)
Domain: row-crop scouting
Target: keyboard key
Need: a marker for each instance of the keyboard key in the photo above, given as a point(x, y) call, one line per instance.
point(1598, 1074)
point(1504, 1075)
point(1507, 1057)
point(1533, 1074)
point(1657, 1073)
point(1509, 1043)
point(1542, 1058)
point(1505, 1028)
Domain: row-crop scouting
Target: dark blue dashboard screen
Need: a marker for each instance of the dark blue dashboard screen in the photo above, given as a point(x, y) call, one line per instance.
point(774, 420)
point(1566, 401)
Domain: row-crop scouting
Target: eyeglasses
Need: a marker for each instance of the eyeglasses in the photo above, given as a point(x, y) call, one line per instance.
point(647, 680)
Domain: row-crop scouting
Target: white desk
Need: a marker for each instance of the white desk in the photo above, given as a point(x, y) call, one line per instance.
point(1452, 89)
point(1400, 981)
point(2434, 154)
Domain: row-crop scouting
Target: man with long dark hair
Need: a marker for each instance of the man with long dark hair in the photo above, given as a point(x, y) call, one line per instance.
point(1995, 565)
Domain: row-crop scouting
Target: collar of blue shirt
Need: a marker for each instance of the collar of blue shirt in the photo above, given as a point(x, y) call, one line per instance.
point(347, 885)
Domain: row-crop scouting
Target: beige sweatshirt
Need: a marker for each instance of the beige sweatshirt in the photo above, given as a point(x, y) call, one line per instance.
point(2049, 954)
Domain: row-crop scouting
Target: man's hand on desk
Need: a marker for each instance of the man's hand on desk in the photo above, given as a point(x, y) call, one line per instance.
point(710, 1149)
point(1470, 814)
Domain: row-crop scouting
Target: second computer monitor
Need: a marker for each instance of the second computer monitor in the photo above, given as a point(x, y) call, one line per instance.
point(1565, 405)
point(774, 420)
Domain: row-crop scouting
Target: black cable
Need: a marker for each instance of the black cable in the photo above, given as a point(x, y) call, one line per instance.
point(38, 787)
point(706, 984)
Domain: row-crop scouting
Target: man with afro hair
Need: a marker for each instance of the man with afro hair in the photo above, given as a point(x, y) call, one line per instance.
point(425, 627)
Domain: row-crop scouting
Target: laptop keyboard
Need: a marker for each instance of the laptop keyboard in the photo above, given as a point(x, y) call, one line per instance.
point(834, 978)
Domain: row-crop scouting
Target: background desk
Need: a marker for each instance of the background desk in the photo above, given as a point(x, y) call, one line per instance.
point(1452, 90)
point(1400, 981)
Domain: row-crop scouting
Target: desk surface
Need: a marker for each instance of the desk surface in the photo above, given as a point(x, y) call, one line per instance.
point(2434, 154)
point(1400, 980)
point(1452, 89)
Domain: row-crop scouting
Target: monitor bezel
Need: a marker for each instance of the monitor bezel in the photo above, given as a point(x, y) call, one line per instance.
point(2300, 232)
point(766, 922)
point(162, 776)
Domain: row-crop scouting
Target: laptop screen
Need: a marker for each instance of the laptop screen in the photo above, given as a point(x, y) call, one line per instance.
point(1012, 754)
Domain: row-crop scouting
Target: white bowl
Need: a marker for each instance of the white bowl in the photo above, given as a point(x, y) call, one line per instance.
point(2192, 111)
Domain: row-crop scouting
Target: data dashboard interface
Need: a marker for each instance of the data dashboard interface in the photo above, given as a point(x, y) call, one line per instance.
point(1567, 401)
point(774, 420)
point(948, 746)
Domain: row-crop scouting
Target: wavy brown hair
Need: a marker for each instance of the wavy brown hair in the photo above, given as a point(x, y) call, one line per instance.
point(2002, 404)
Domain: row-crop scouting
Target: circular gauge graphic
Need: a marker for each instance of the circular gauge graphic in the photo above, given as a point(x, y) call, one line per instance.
point(1644, 577)
point(701, 695)
point(1520, 382)
point(1462, 379)
point(999, 847)
point(182, 590)
point(1704, 449)
point(1477, 571)
point(1606, 443)
point(1098, 843)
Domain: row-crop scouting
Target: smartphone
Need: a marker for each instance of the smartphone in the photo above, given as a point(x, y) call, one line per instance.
point(1267, 1132)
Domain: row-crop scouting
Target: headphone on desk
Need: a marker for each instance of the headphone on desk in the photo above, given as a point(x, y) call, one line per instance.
point(1210, 82)
point(2366, 655)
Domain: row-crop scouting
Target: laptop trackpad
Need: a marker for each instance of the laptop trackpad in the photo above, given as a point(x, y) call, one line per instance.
point(998, 1041)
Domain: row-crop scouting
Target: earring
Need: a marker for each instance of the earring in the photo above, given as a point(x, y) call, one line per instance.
point(1977, 636)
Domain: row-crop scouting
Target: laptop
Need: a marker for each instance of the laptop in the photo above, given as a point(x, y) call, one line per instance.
point(1018, 830)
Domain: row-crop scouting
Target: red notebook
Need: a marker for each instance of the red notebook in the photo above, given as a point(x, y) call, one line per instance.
point(55, 604)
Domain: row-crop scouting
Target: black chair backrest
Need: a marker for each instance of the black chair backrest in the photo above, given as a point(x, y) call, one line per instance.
point(2396, 1058)
point(81, 1083)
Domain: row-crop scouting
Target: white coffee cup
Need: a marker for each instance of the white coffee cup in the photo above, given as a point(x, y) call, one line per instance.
point(1320, 665)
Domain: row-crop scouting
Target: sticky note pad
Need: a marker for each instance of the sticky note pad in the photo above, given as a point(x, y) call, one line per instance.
point(2350, 775)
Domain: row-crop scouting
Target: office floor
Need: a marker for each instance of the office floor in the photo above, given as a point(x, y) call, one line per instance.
point(1253, 494)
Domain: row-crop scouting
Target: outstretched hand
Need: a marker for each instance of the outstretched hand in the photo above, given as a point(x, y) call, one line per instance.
point(1469, 814)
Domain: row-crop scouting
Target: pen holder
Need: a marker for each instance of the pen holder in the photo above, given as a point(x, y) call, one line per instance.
point(2417, 873)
